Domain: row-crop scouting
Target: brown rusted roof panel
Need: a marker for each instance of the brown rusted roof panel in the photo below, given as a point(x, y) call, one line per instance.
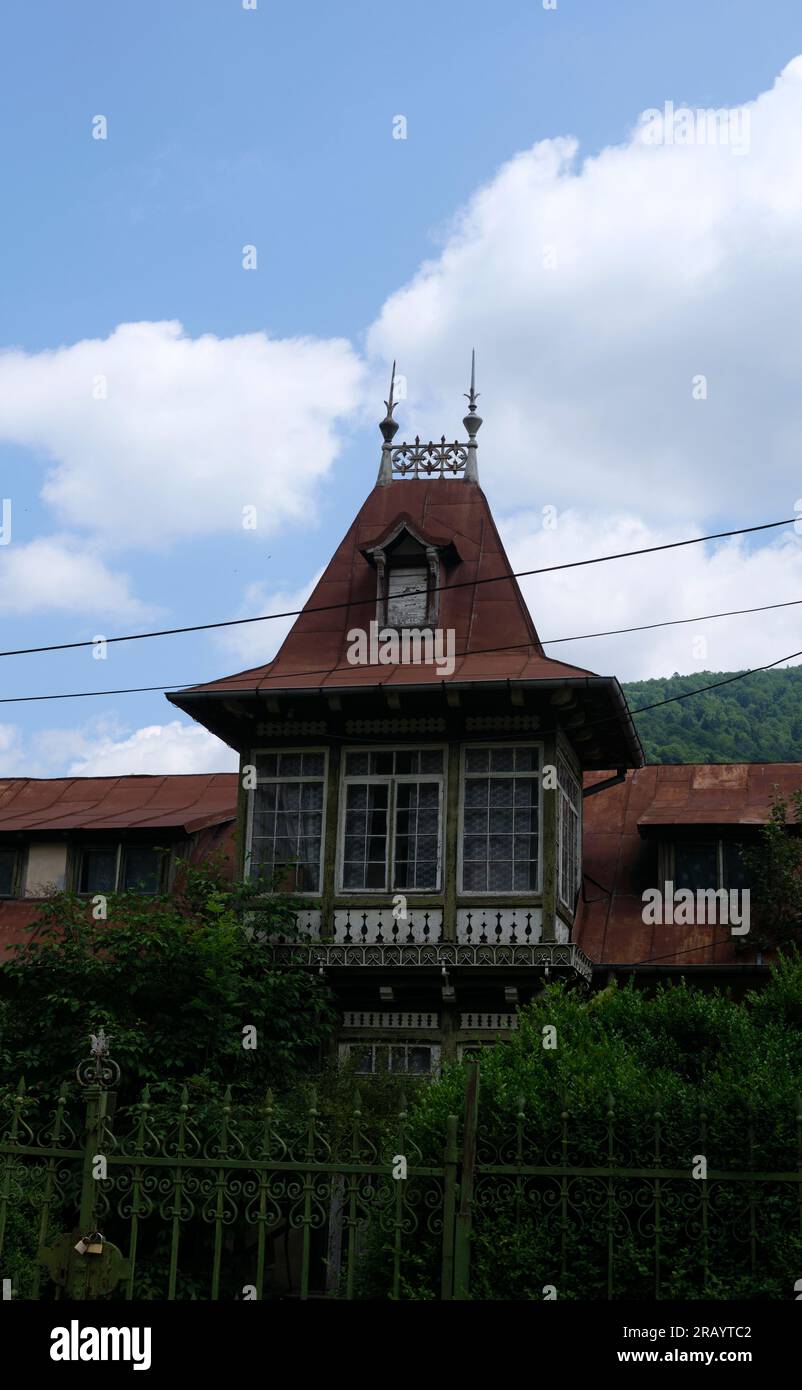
point(482, 615)
point(619, 862)
point(97, 803)
point(718, 794)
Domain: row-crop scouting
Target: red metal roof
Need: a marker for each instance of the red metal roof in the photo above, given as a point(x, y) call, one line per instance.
point(622, 860)
point(188, 802)
point(482, 615)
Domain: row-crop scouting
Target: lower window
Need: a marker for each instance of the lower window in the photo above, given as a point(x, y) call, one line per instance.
point(399, 1059)
point(8, 873)
point(702, 864)
point(120, 869)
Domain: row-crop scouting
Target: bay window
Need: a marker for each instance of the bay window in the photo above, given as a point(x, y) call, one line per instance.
point(287, 817)
point(391, 820)
point(569, 803)
point(500, 820)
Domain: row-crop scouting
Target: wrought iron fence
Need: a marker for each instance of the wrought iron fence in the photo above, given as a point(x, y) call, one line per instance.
point(222, 1201)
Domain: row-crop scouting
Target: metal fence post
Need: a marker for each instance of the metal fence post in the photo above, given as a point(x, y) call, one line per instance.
point(462, 1235)
point(450, 1162)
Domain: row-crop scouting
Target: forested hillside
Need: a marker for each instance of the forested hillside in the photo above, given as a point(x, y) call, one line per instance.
point(757, 719)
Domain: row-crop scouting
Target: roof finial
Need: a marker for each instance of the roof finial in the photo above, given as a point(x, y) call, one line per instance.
point(389, 426)
point(472, 423)
point(471, 396)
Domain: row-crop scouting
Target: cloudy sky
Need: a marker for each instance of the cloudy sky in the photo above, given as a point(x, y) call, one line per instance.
point(199, 311)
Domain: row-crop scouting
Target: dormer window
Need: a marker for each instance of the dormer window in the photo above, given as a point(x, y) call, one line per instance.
point(407, 596)
point(409, 569)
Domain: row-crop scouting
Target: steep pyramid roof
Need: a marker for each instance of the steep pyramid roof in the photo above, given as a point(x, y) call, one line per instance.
point(495, 638)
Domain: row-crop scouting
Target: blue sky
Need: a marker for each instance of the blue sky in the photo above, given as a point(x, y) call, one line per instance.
point(274, 128)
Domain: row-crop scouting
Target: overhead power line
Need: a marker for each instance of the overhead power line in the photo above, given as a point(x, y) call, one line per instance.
point(480, 651)
point(669, 622)
point(437, 588)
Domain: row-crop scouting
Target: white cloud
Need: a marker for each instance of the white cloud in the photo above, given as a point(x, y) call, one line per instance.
point(104, 747)
point(190, 431)
point(671, 262)
point(254, 644)
point(158, 748)
point(685, 583)
point(55, 573)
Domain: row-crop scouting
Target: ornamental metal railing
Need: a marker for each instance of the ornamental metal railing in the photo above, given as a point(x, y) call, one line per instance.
point(426, 460)
point(223, 1201)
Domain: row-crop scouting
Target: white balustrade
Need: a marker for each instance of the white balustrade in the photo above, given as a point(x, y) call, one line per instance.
point(518, 926)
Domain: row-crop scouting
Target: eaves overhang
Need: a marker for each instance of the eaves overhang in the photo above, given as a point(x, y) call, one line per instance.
point(195, 703)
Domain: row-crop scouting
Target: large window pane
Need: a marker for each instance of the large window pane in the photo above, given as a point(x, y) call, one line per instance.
point(287, 820)
point(8, 861)
point(98, 871)
point(416, 856)
point(365, 848)
point(736, 874)
point(142, 870)
point(569, 795)
point(696, 865)
point(500, 820)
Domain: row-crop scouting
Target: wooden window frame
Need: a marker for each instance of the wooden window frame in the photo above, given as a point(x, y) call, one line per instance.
point(120, 848)
point(345, 1047)
point(392, 779)
point(576, 810)
point(668, 850)
point(17, 876)
point(489, 893)
point(256, 753)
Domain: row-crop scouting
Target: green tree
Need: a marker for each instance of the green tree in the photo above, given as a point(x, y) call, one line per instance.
point(179, 982)
point(775, 871)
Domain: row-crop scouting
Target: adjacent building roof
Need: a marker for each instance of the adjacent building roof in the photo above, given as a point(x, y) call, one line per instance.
point(618, 859)
point(186, 803)
point(717, 794)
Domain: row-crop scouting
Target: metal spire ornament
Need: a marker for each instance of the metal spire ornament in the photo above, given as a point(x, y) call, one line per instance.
point(472, 423)
point(389, 426)
point(389, 429)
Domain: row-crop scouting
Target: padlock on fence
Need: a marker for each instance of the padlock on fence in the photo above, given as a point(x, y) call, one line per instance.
point(91, 1244)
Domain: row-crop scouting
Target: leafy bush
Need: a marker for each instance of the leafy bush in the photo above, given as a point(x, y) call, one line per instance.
point(656, 1082)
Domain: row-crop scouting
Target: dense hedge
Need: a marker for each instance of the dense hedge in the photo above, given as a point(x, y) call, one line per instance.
point(639, 1068)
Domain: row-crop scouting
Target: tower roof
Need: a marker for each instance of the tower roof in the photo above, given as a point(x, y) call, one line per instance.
point(421, 502)
point(494, 636)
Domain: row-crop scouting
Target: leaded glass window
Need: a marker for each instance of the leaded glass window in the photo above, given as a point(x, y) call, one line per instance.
point(500, 826)
point(391, 830)
point(568, 830)
point(287, 817)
